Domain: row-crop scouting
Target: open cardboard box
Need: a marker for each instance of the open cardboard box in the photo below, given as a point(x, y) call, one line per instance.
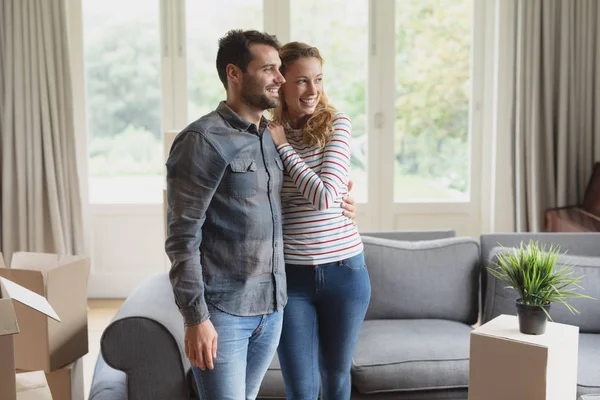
point(44, 344)
point(19, 386)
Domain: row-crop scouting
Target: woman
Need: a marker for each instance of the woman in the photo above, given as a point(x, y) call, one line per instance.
point(327, 281)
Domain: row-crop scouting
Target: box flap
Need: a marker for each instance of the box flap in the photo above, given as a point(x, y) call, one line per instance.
point(9, 289)
point(40, 261)
point(67, 291)
point(8, 318)
point(2, 265)
point(32, 386)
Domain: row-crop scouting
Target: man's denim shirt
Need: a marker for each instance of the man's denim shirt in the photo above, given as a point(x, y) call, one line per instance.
point(224, 218)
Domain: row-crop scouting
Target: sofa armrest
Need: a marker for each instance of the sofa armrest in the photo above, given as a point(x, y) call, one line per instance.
point(145, 340)
point(570, 219)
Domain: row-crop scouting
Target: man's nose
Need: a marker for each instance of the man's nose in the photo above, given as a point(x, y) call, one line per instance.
point(279, 78)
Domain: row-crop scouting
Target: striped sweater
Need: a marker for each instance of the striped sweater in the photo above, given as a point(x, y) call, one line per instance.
point(315, 180)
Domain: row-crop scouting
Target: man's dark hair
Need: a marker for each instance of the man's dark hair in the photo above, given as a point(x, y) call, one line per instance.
point(234, 48)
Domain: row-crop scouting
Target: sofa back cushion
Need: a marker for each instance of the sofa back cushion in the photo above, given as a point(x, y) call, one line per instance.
point(501, 300)
point(412, 236)
point(437, 279)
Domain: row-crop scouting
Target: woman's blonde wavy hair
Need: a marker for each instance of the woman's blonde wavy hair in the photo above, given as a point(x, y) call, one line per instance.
point(318, 128)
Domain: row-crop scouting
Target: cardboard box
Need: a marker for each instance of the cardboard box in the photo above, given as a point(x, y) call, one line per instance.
point(32, 386)
point(506, 364)
point(67, 383)
point(44, 344)
point(10, 293)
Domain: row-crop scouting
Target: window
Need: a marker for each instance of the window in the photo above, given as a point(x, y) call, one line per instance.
point(428, 71)
point(339, 29)
point(206, 22)
point(123, 100)
point(433, 43)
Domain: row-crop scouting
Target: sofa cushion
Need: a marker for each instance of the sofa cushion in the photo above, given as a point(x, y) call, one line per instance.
point(500, 300)
point(408, 355)
point(427, 279)
point(588, 373)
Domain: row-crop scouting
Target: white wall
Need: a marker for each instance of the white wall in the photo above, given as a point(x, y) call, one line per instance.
point(127, 244)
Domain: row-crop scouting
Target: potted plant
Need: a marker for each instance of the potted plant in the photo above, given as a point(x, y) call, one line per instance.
point(531, 271)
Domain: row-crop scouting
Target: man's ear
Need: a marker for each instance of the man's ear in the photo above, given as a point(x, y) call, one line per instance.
point(234, 73)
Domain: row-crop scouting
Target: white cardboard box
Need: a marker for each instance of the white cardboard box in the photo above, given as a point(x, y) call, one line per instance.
point(506, 364)
point(44, 344)
point(16, 386)
point(32, 386)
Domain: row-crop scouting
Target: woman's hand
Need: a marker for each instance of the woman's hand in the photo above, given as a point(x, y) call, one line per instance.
point(277, 133)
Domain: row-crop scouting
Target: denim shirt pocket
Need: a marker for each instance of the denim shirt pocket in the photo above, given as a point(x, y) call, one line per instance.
point(242, 182)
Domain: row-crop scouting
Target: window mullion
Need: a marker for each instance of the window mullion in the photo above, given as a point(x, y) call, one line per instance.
point(381, 114)
point(167, 50)
point(277, 20)
point(179, 69)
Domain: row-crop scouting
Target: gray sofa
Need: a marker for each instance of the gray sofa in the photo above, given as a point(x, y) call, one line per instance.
point(414, 344)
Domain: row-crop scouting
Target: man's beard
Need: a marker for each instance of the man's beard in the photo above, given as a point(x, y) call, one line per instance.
point(254, 99)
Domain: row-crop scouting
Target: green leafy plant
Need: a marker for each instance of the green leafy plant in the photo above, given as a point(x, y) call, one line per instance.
point(532, 272)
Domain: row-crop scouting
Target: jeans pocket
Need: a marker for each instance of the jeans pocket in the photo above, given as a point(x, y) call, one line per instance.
point(355, 263)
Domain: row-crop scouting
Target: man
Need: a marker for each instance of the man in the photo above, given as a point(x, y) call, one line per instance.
point(224, 177)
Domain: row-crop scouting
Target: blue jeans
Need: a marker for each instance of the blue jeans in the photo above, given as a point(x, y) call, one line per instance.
point(245, 348)
point(326, 307)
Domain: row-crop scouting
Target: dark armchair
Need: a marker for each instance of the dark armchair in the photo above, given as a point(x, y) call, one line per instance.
point(581, 218)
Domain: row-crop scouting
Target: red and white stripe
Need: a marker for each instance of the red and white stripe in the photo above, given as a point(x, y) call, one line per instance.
point(314, 229)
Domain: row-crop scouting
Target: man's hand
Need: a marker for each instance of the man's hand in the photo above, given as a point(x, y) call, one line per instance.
point(201, 344)
point(348, 204)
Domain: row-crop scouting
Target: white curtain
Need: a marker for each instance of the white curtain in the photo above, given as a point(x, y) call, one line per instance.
point(556, 124)
point(41, 204)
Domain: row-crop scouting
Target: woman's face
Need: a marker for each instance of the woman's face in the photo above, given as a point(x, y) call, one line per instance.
point(303, 87)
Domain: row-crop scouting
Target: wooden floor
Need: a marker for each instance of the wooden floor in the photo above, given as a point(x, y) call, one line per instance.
point(100, 313)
